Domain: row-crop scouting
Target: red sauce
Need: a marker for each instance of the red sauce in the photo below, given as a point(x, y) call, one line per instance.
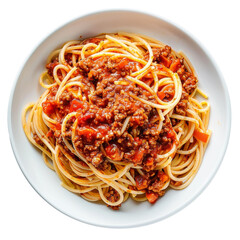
point(49, 107)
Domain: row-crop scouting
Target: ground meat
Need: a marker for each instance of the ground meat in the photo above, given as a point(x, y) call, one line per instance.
point(149, 163)
point(92, 40)
point(112, 196)
point(156, 186)
point(65, 98)
point(64, 103)
point(167, 135)
point(164, 56)
point(166, 51)
point(190, 84)
point(181, 107)
point(85, 65)
point(158, 52)
point(50, 66)
point(68, 58)
point(37, 139)
point(97, 159)
point(68, 131)
point(152, 181)
point(101, 116)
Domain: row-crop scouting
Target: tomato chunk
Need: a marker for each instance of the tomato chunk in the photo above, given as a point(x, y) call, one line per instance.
point(49, 107)
point(171, 133)
point(85, 118)
point(138, 155)
point(150, 161)
point(161, 95)
point(152, 197)
point(103, 129)
point(123, 63)
point(166, 62)
point(141, 182)
point(88, 132)
point(200, 135)
point(176, 64)
point(75, 105)
point(113, 152)
point(163, 177)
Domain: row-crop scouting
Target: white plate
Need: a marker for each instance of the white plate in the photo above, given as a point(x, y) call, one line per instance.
point(46, 183)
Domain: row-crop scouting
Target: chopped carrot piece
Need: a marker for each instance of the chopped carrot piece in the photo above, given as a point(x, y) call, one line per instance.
point(75, 105)
point(163, 176)
point(152, 197)
point(175, 65)
point(123, 63)
point(176, 183)
point(200, 135)
point(166, 62)
point(141, 182)
point(161, 95)
point(138, 155)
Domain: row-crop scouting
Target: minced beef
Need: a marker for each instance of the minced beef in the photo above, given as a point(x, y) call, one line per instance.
point(105, 106)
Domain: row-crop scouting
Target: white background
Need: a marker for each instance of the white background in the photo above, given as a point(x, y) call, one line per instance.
point(213, 215)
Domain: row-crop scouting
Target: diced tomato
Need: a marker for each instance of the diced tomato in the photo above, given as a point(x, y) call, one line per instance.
point(103, 129)
point(176, 64)
point(49, 107)
point(84, 118)
point(149, 161)
point(166, 62)
point(163, 176)
point(141, 182)
point(58, 126)
point(171, 133)
point(113, 152)
point(123, 63)
point(161, 95)
point(200, 135)
point(152, 197)
point(50, 133)
point(75, 105)
point(138, 155)
point(88, 132)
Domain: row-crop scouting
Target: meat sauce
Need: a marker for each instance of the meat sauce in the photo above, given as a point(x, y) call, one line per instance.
point(106, 105)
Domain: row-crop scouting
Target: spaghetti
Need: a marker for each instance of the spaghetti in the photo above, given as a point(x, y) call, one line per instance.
point(119, 118)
